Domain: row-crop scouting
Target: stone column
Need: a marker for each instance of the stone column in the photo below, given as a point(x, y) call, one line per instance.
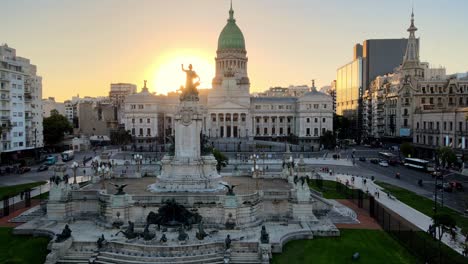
point(232, 125)
point(224, 126)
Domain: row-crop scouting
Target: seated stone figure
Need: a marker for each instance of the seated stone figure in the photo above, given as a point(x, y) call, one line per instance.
point(182, 235)
point(227, 242)
point(101, 241)
point(66, 233)
point(163, 238)
point(264, 236)
point(147, 235)
point(201, 234)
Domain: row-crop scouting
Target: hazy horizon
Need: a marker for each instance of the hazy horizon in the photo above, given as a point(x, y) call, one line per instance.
point(80, 47)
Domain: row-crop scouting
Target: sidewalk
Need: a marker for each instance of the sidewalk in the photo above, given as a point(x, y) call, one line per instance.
point(4, 221)
point(410, 214)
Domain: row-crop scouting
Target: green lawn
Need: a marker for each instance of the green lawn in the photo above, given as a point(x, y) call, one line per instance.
point(16, 189)
point(374, 246)
point(328, 189)
point(21, 249)
point(423, 204)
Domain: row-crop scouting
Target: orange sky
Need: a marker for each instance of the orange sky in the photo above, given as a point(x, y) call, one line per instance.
point(81, 47)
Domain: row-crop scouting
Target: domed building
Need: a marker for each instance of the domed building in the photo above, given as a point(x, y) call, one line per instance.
point(232, 112)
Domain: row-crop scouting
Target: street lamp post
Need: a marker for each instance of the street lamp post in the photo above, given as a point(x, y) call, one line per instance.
point(254, 158)
point(103, 171)
point(74, 167)
point(138, 161)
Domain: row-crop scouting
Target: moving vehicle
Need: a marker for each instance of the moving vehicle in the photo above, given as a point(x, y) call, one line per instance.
point(456, 185)
point(375, 161)
point(419, 164)
point(50, 160)
point(24, 169)
point(43, 167)
point(68, 155)
point(383, 163)
point(391, 158)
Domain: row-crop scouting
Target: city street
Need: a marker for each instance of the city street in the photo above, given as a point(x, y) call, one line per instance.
point(408, 178)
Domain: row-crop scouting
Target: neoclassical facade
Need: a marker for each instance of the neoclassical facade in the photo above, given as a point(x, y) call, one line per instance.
point(229, 110)
point(417, 103)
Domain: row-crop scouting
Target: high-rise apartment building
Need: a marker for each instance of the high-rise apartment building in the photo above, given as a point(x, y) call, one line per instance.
point(20, 103)
point(373, 58)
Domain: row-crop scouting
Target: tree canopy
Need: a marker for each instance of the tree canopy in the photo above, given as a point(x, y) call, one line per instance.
point(55, 127)
point(221, 159)
point(407, 149)
point(446, 156)
point(328, 140)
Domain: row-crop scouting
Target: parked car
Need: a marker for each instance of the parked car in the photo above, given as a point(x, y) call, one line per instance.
point(447, 187)
point(362, 158)
point(383, 163)
point(24, 169)
point(43, 167)
point(456, 185)
point(374, 161)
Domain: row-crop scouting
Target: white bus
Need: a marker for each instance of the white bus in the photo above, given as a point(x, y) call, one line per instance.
point(419, 164)
point(68, 155)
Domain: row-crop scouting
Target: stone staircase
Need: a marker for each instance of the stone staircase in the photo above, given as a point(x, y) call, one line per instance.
point(28, 215)
point(186, 258)
point(245, 253)
point(74, 257)
point(342, 215)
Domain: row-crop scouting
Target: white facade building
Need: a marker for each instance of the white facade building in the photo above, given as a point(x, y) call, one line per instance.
point(50, 104)
point(20, 103)
point(229, 110)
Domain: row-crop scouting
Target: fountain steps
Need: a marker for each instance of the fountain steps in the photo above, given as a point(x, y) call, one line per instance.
point(116, 258)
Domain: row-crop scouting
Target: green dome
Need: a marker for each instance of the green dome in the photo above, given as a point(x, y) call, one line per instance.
point(231, 37)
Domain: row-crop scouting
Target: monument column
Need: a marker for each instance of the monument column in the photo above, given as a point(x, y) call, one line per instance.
point(187, 169)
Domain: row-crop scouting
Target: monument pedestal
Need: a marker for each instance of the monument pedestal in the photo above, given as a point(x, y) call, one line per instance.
point(59, 206)
point(188, 170)
point(119, 206)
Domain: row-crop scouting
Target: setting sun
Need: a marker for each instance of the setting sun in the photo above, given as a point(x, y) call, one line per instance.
point(168, 75)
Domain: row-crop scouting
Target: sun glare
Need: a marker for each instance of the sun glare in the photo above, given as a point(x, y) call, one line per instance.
point(168, 75)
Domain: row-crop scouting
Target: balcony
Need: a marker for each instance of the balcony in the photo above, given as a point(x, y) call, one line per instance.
point(461, 133)
point(428, 131)
point(27, 97)
point(4, 117)
point(5, 98)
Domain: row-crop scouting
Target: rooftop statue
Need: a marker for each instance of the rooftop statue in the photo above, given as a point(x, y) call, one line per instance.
point(190, 92)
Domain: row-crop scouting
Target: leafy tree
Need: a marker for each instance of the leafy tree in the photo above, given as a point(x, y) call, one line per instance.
point(444, 223)
point(342, 126)
point(446, 156)
point(221, 159)
point(120, 137)
point(328, 140)
point(55, 126)
point(407, 149)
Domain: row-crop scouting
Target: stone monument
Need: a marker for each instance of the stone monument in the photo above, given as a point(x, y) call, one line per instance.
point(187, 170)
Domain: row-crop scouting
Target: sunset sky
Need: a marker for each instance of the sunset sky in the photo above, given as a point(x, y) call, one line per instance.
point(82, 46)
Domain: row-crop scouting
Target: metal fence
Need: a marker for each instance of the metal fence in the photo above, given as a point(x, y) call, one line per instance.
point(418, 242)
point(10, 204)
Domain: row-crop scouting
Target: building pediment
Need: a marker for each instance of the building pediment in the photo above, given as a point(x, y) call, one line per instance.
point(227, 105)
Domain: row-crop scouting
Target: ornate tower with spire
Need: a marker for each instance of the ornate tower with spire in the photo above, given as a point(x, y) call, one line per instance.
point(411, 65)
